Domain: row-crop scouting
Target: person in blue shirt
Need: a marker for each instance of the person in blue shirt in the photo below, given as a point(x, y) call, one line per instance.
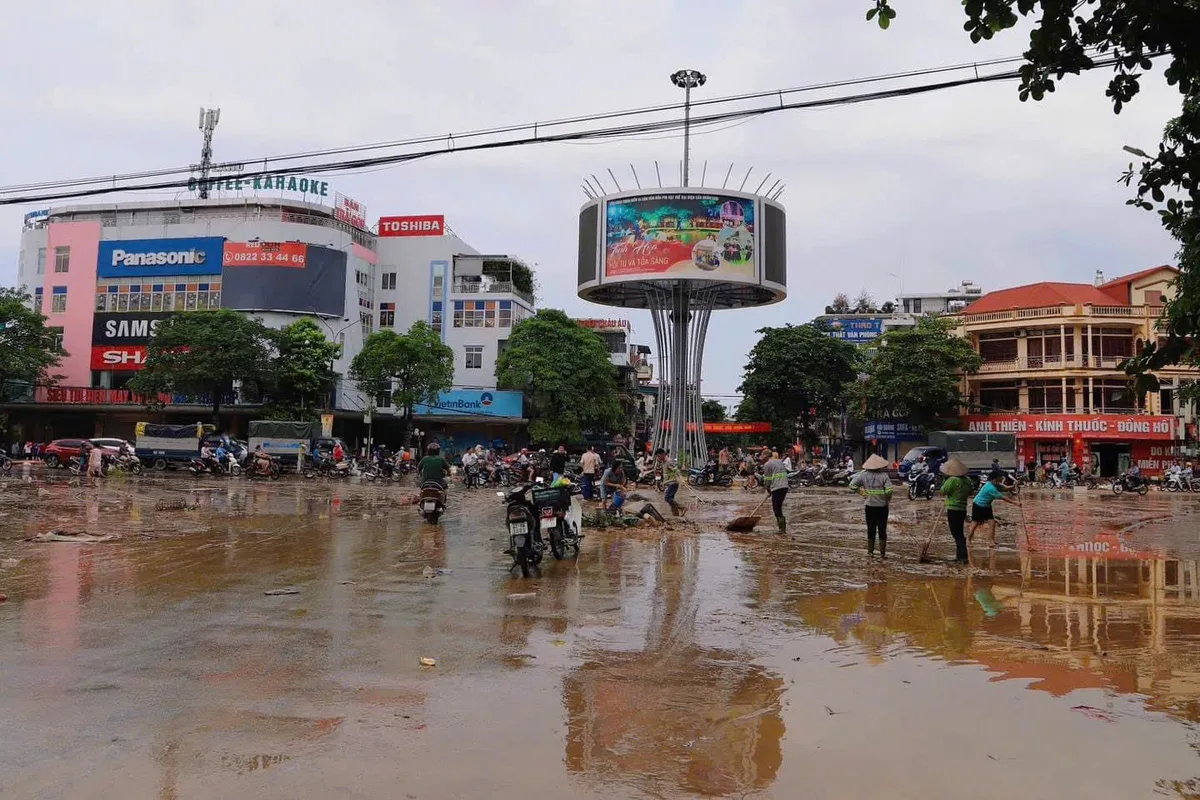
point(981, 509)
point(222, 454)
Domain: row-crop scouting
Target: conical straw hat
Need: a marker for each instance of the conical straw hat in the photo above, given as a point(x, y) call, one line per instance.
point(875, 462)
point(954, 468)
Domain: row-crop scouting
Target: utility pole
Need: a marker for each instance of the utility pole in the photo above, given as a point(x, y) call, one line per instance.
point(209, 117)
point(687, 79)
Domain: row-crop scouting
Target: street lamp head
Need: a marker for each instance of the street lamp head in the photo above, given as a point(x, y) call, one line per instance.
point(688, 78)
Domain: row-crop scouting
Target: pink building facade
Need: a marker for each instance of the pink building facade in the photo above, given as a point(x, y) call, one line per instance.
point(68, 294)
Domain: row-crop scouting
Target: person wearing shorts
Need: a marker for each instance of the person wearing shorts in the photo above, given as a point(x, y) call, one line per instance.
point(981, 509)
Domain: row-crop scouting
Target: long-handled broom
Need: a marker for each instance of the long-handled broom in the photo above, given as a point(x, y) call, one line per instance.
point(746, 522)
point(924, 557)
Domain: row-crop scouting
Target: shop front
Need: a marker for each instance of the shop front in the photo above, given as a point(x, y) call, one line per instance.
point(1111, 443)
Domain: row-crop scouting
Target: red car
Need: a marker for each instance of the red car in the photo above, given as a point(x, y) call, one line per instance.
point(61, 452)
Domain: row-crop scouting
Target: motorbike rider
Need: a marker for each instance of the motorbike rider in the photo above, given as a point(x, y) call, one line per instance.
point(208, 457)
point(262, 459)
point(222, 455)
point(339, 453)
point(126, 454)
point(433, 467)
point(1133, 476)
point(1065, 468)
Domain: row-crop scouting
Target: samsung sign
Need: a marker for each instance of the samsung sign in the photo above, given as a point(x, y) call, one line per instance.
point(134, 258)
point(131, 328)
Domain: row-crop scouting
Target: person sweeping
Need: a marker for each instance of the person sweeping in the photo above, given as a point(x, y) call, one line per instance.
point(874, 483)
point(957, 490)
point(775, 477)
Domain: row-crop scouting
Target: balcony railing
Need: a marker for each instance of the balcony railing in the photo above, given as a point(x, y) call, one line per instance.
point(495, 287)
point(1052, 362)
point(1062, 311)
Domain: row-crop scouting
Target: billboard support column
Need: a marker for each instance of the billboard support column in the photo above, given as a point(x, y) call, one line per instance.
point(687, 79)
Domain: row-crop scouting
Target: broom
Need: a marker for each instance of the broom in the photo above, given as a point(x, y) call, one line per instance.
point(924, 557)
point(746, 522)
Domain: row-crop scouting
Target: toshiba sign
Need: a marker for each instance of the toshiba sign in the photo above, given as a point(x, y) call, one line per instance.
point(121, 358)
point(426, 225)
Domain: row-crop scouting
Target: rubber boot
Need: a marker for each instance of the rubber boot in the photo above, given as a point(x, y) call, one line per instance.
point(870, 545)
point(883, 548)
point(782, 523)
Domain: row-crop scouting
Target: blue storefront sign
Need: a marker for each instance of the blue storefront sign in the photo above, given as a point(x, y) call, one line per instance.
point(892, 429)
point(142, 258)
point(474, 403)
point(856, 329)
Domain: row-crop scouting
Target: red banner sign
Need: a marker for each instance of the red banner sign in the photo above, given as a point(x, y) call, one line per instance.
point(119, 358)
point(1117, 427)
point(349, 211)
point(266, 254)
point(424, 225)
point(727, 427)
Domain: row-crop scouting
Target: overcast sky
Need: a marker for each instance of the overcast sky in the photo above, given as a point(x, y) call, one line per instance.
point(963, 184)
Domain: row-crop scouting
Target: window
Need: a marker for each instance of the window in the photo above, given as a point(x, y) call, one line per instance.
point(1154, 298)
point(998, 346)
point(368, 322)
point(62, 258)
point(999, 397)
point(387, 318)
point(362, 278)
point(37, 299)
point(505, 314)
point(384, 400)
point(59, 302)
point(58, 339)
point(439, 280)
point(389, 280)
point(474, 356)
point(916, 305)
point(41, 262)
point(435, 317)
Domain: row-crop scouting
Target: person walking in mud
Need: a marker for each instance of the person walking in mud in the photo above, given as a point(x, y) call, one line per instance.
point(670, 475)
point(775, 476)
point(874, 484)
point(957, 490)
point(981, 511)
point(95, 468)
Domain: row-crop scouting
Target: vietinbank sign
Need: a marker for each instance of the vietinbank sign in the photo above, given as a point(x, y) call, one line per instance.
point(473, 403)
point(141, 258)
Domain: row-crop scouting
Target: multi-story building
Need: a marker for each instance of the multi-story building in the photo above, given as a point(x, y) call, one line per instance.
point(1051, 354)
point(633, 370)
point(473, 300)
point(105, 275)
point(951, 301)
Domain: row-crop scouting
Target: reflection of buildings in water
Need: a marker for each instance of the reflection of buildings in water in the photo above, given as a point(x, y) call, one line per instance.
point(675, 713)
point(702, 720)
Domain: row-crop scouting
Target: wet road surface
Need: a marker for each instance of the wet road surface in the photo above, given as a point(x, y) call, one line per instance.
point(662, 663)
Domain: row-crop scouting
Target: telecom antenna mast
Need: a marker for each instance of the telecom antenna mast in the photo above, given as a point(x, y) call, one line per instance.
point(209, 117)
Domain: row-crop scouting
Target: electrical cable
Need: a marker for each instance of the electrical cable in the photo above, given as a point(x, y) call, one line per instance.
point(603, 133)
point(451, 138)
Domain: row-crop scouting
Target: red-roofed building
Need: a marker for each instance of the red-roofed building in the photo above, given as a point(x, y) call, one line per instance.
point(1051, 353)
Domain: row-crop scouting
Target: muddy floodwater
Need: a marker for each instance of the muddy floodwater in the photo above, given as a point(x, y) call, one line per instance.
point(661, 663)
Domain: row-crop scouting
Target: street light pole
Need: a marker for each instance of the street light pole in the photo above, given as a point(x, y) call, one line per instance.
point(687, 79)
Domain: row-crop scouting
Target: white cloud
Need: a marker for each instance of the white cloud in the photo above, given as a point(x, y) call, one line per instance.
point(968, 183)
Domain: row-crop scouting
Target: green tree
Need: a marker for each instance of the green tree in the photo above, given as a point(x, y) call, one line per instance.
point(915, 374)
point(204, 352)
point(302, 370)
point(570, 384)
point(1069, 37)
point(414, 367)
point(28, 348)
point(713, 411)
point(798, 374)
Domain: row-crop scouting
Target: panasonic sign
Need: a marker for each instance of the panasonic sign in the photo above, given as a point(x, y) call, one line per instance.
point(148, 258)
point(121, 258)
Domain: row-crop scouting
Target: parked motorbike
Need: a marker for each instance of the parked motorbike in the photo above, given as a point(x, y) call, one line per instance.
point(805, 476)
point(373, 470)
point(433, 501)
point(475, 477)
point(532, 509)
point(1130, 483)
point(126, 462)
point(554, 506)
point(833, 477)
point(709, 476)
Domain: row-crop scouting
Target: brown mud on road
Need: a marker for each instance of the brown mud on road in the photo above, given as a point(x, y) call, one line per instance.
point(662, 663)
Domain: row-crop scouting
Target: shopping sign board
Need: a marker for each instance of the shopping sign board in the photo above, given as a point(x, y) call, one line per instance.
point(470, 402)
point(142, 258)
point(856, 329)
point(119, 358)
point(133, 328)
point(700, 235)
point(349, 211)
point(265, 254)
point(892, 429)
point(423, 225)
point(1075, 426)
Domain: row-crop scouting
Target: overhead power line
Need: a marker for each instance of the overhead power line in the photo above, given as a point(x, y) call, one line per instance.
point(452, 143)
